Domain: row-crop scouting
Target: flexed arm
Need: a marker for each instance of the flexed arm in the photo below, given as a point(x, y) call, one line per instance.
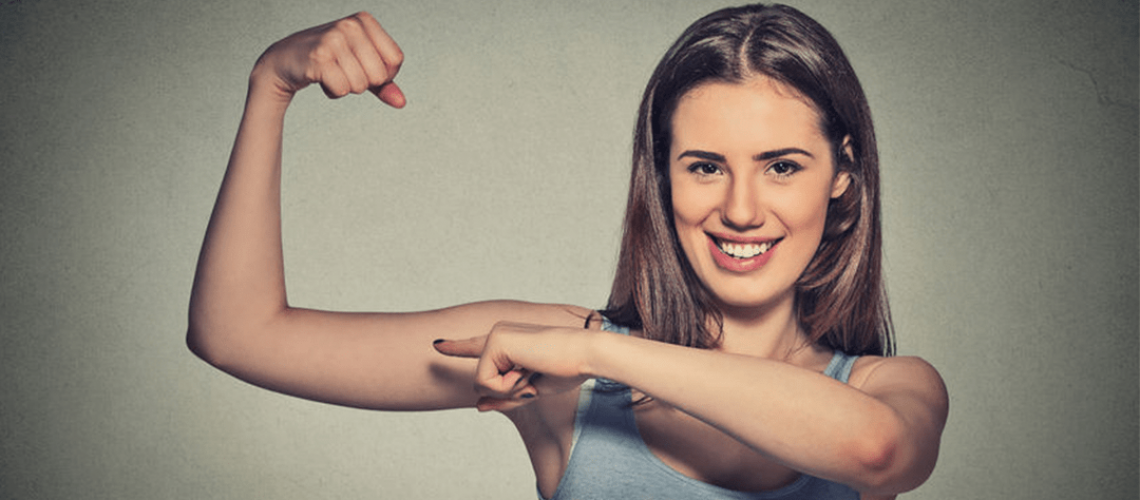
point(240, 319)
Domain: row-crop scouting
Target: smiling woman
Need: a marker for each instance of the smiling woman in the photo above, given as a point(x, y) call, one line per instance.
point(747, 316)
point(751, 179)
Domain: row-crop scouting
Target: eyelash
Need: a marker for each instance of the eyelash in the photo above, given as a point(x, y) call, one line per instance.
point(791, 167)
point(699, 168)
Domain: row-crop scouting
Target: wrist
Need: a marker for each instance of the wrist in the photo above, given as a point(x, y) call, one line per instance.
point(598, 347)
point(265, 86)
point(263, 102)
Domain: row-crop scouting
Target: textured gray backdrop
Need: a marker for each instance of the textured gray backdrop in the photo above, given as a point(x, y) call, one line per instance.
point(1009, 144)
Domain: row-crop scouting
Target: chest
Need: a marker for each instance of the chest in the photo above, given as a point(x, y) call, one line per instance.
point(653, 452)
point(702, 452)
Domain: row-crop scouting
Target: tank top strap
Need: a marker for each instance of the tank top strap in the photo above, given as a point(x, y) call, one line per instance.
point(610, 327)
point(840, 366)
point(586, 391)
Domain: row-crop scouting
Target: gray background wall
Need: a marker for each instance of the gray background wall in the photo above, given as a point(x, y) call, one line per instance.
point(1009, 140)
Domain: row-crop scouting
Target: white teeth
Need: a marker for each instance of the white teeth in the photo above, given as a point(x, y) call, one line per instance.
point(744, 250)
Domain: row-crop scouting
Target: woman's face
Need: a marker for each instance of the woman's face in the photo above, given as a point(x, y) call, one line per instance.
point(751, 175)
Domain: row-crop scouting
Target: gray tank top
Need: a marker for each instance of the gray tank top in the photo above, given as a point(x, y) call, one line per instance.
point(610, 461)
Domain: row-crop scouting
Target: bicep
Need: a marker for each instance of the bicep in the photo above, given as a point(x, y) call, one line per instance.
point(371, 360)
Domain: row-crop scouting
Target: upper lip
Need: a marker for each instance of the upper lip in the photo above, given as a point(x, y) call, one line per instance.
point(754, 240)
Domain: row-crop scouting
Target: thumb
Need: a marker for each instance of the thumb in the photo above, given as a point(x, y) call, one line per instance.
point(391, 94)
point(466, 348)
point(486, 404)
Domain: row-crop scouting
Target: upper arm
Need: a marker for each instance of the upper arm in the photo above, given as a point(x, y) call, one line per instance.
point(368, 360)
point(917, 396)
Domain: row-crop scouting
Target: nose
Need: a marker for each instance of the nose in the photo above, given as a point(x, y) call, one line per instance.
point(743, 208)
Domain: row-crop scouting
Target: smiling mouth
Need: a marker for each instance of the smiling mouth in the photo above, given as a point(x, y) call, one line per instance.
point(744, 250)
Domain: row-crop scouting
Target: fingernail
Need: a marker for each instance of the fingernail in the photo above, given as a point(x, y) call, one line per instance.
point(534, 376)
point(527, 395)
point(436, 341)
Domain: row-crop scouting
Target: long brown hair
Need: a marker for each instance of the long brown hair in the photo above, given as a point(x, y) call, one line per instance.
point(840, 299)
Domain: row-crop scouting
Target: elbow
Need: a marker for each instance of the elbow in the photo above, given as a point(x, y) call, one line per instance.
point(201, 332)
point(219, 336)
point(887, 466)
point(196, 342)
point(875, 459)
point(212, 343)
point(219, 349)
point(202, 342)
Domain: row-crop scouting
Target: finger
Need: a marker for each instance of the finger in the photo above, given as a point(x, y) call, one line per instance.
point(525, 392)
point(533, 382)
point(502, 404)
point(348, 62)
point(524, 380)
point(391, 95)
point(331, 68)
point(375, 75)
point(496, 378)
point(389, 52)
point(357, 80)
point(334, 83)
point(501, 382)
point(364, 50)
point(466, 348)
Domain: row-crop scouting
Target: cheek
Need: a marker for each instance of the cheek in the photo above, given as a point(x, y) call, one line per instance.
point(690, 206)
point(807, 214)
point(688, 217)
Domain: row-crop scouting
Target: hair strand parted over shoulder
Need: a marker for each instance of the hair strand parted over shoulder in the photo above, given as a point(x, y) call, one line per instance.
point(840, 299)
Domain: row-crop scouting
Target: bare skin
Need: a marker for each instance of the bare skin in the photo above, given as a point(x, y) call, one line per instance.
point(751, 415)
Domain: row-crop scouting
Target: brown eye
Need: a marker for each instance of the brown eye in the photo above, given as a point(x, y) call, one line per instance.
point(784, 168)
point(704, 168)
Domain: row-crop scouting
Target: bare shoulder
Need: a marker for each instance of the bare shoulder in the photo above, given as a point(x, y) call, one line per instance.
point(869, 368)
point(906, 377)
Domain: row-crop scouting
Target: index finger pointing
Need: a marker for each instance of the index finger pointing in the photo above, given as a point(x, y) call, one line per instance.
point(467, 348)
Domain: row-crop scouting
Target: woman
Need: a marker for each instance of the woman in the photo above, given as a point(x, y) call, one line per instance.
point(742, 351)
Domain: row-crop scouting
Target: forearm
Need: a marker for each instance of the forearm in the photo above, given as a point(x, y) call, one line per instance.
point(240, 282)
point(801, 418)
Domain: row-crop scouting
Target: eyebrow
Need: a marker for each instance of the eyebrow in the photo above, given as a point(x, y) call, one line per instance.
point(767, 155)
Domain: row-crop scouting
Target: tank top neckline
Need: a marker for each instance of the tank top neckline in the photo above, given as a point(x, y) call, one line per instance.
point(837, 368)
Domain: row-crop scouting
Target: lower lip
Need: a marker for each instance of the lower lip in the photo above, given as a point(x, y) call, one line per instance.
point(730, 263)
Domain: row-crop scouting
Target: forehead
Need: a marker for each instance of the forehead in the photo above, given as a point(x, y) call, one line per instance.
point(759, 110)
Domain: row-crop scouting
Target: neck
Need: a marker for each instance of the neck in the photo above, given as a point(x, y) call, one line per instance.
point(770, 331)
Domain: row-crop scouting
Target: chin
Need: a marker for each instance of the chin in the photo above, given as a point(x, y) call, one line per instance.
point(751, 298)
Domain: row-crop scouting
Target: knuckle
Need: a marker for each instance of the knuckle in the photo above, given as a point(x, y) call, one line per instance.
point(377, 80)
point(349, 24)
point(312, 74)
point(321, 54)
point(334, 38)
point(375, 74)
point(334, 90)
